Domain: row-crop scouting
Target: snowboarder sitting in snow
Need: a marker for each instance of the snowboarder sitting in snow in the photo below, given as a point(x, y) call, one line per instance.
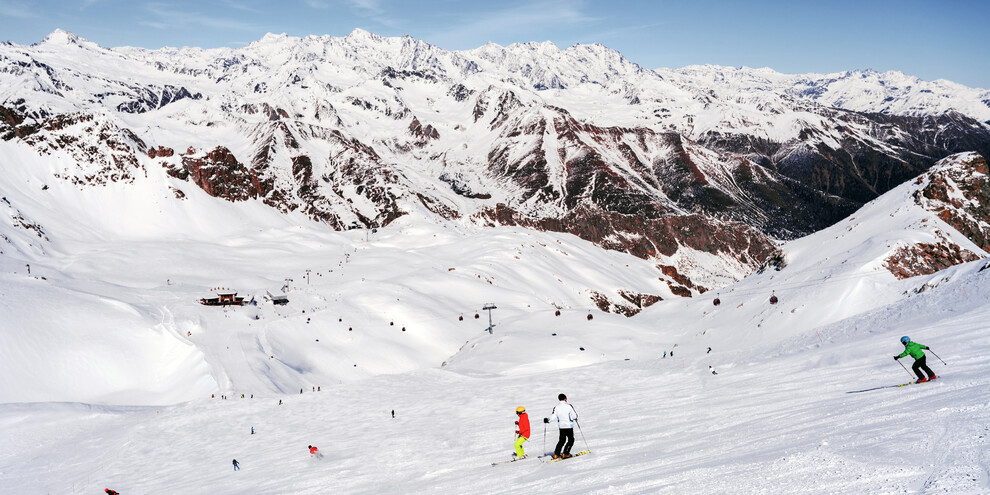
point(566, 417)
point(917, 351)
point(111, 492)
point(522, 430)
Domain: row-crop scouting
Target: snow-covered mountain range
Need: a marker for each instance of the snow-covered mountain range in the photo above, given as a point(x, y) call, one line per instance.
point(671, 165)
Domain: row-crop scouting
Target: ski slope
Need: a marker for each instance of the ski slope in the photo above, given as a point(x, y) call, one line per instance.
point(109, 362)
point(778, 420)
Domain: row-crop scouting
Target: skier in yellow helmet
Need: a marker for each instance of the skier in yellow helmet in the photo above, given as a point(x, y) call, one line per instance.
point(522, 431)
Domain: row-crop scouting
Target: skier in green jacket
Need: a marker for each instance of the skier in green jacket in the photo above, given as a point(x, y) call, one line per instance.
point(916, 351)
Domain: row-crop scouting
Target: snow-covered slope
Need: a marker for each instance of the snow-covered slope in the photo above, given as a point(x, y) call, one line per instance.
point(105, 332)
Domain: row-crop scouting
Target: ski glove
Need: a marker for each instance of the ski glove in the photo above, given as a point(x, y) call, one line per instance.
point(896, 358)
point(546, 420)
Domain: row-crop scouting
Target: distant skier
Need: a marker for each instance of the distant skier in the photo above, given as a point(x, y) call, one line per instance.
point(565, 416)
point(712, 370)
point(111, 492)
point(393, 413)
point(664, 354)
point(917, 351)
point(522, 431)
point(252, 430)
point(315, 452)
point(709, 350)
point(236, 465)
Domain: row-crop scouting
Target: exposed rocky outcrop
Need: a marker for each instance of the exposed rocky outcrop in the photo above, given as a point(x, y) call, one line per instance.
point(628, 304)
point(958, 191)
point(423, 132)
point(219, 173)
point(926, 258)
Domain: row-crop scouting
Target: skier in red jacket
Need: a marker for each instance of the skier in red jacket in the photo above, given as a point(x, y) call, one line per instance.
point(315, 452)
point(522, 430)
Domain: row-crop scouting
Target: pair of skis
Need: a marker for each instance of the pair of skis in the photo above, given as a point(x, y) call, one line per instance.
point(543, 458)
point(550, 458)
point(888, 386)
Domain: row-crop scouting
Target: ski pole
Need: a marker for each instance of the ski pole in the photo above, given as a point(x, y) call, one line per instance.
point(936, 355)
point(586, 447)
point(544, 438)
point(905, 368)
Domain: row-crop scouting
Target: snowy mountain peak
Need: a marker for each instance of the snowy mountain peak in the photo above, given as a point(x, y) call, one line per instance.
point(362, 35)
point(272, 37)
point(62, 37)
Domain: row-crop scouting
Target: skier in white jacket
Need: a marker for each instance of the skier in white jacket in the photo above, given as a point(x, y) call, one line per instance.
point(565, 416)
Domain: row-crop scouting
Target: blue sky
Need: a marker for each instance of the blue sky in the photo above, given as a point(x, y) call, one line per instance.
point(929, 39)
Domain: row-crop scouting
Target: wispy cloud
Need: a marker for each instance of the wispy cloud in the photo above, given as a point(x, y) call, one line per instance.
point(622, 32)
point(372, 7)
point(16, 10)
point(372, 10)
point(167, 16)
point(542, 16)
point(239, 5)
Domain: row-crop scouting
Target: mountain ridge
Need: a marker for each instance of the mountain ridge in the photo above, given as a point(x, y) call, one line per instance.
point(363, 129)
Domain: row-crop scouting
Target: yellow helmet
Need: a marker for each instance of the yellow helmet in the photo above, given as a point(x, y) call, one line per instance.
point(520, 409)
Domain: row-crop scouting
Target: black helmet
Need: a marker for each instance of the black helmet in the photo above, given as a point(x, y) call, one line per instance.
point(561, 397)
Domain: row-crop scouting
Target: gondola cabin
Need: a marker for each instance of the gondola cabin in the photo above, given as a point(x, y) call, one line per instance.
point(223, 298)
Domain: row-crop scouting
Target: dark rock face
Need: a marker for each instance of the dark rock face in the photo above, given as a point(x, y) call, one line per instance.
point(151, 98)
point(892, 150)
point(649, 238)
point(925, 259)
point(219, 174)
point(960, 196)
point(160, 151)
point(106, 151)
point(628, 304)
point(423, 132)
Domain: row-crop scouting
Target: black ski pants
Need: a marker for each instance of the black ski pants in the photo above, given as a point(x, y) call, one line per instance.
point(919, 365)
point(566, 441)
